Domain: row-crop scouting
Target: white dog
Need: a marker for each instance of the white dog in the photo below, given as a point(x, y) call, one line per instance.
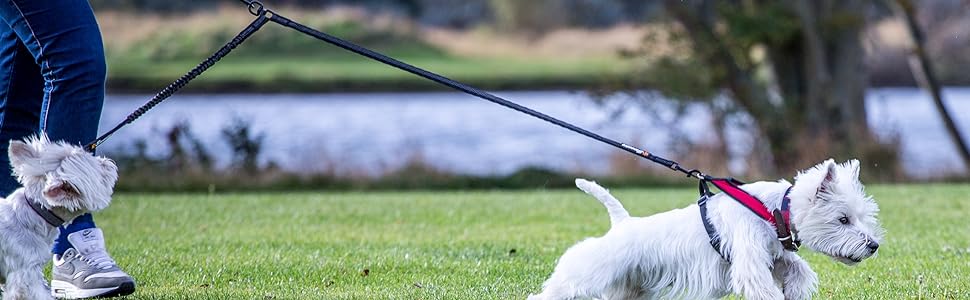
point(670, 255)
point(60, 182)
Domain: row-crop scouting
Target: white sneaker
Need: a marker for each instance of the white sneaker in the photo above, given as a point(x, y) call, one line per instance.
point(86, 271)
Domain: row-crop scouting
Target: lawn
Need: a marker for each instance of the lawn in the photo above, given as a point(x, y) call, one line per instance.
point(467, 245)
point(354, 73)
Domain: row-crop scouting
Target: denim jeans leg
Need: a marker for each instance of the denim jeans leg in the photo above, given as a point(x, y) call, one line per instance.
point(21, 91)
point(64, 39)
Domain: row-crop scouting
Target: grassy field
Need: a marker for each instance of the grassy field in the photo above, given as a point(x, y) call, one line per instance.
point(352, 73)
point(467, 245)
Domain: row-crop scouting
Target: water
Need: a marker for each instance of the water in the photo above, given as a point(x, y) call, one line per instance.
point(456, 132)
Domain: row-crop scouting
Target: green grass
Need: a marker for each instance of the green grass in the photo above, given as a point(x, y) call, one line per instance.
point(353, 73)
point(456, 245)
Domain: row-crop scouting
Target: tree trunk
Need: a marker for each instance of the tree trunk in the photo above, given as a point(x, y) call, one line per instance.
point(922, 69)
point(819, 73)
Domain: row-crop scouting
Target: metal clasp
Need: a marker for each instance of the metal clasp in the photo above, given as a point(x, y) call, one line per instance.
point(256, 8)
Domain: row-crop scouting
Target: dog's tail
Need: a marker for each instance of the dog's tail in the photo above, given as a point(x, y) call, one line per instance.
point(613, 206)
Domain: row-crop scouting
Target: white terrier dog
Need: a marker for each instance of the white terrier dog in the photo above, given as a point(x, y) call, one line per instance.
point(60, 182)
point(670, 254)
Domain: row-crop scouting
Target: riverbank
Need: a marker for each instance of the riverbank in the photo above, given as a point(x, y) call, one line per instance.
point(355, 74)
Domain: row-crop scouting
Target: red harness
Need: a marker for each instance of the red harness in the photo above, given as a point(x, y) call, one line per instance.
point(786, 233)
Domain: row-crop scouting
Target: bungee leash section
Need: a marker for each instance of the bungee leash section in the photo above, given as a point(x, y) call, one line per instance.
point(173, 87)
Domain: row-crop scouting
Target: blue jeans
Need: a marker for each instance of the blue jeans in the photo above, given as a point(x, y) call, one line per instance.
point(52, 75)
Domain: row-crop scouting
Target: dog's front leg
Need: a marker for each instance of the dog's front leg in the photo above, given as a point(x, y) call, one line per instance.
point(26, 284)
point(798, 279)
point(751, 274)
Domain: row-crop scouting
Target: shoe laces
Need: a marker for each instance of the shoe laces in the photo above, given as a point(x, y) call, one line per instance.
point(99, 259)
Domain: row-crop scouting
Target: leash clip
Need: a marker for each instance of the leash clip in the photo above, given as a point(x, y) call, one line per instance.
point(256, 8)
point(696, 174)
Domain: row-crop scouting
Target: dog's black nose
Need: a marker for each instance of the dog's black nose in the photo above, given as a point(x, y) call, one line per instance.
point(872, 246)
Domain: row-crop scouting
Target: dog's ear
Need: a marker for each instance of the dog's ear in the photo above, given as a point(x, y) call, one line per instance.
point(60, 189)
point(825, 187)
point(854, 167)
point(109, 170)
point(108, 164)
point(20, 153)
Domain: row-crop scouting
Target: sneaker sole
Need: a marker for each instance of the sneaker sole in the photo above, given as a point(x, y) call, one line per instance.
point(65, 290)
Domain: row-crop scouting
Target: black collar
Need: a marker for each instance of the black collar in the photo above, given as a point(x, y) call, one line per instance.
point(45, 213)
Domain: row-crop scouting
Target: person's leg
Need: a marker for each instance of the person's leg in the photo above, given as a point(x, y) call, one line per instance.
point(64, 39)
point(21, 91)
point(21, 88)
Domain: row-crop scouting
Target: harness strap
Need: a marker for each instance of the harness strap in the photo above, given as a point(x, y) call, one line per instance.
point(787, 235)
point(711, 233)
point(730, 187)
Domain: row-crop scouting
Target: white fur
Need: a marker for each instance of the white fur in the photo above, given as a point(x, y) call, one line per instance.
point(668, 255)
point(62, 178)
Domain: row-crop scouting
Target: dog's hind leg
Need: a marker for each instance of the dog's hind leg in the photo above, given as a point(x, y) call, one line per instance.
point(27, 284)
point(584, 271)
point(613, 206)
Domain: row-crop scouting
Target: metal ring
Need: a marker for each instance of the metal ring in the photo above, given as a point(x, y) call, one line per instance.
point(256, 8)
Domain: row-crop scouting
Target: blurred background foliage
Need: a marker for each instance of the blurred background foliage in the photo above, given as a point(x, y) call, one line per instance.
point(139, 31)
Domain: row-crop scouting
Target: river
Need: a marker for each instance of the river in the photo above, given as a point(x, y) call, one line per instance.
point(371, 132)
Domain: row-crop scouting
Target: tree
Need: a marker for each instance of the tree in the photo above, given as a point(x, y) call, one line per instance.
point(795, 67)
point(922, 69)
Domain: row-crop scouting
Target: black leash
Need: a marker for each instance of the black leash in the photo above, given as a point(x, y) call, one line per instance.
point(263, 15)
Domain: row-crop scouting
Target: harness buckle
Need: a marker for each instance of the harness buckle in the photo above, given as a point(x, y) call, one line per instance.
point(785, 235)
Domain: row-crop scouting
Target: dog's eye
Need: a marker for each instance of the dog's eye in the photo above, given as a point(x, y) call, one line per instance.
point(844, 220)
